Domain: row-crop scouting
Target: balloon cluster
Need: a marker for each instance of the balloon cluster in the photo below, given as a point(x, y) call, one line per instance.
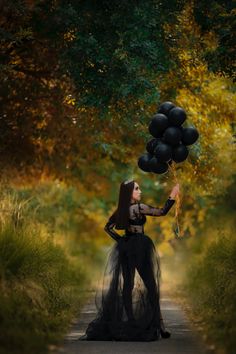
point(170, 139)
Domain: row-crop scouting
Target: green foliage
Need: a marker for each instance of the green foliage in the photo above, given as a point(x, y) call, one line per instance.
point(211, 287)
point(42, 276)
point(205, 276)
point(218, 17)
point(38, 284)
point(81, 108)
point(97, 61)
point(119, 49)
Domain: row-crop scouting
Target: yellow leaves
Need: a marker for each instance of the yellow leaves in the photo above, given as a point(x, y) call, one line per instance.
point(97, 217)
point(201, 215)
point(210, 103)
point(210, 40)
point(47, 144)
point(221, 97)
point(16, 60)
point(69, 36)
point(188, 222)
point(187, 25)
point(166, 226)
point(69, 100)
point(89, 63)
point(82, 109)
point(185, 55)
point(41, 124)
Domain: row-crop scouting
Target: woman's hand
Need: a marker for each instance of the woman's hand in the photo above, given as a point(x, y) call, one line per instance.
point(175, 191)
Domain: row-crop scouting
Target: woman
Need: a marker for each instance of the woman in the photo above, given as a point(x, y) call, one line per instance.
point(129, 301)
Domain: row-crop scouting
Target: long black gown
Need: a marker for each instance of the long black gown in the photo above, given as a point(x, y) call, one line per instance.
point(128, 303)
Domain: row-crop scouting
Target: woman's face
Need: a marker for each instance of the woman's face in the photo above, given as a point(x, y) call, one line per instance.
point(136, 195)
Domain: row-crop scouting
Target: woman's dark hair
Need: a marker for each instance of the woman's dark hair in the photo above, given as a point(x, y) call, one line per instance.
point(121, 215)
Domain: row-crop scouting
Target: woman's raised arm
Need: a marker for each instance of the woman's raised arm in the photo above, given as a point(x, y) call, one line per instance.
point(153, 211)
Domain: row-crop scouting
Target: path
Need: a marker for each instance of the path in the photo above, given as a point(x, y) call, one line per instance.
point(183, 340)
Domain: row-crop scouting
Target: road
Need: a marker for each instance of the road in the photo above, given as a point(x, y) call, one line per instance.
point(184, 337)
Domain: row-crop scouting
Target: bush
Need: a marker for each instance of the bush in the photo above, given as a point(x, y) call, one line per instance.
point(40, 289)
point(211, 286)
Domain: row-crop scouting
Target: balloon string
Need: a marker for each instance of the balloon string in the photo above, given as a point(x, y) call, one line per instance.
point(178, 199)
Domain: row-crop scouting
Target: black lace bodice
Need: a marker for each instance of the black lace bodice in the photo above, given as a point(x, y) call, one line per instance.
point(137, 217)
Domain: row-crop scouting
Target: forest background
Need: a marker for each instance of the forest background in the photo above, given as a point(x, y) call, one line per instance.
point(80, 82)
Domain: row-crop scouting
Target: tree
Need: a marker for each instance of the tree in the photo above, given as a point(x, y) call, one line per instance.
point(217, 22)
point(76, 77)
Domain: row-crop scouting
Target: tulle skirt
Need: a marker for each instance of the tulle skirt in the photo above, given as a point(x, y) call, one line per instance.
point(128, 303)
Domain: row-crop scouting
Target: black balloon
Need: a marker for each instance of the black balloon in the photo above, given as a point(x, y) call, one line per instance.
point(143, 162)
point(157, 167)
point(158, 125)
point(172, 136)
point(165, 107)
point(190, 135)
point(180, 153)
point(151, 144)
point(153, 131)
point(170, 139)
point(163, 152)
point(177, 116)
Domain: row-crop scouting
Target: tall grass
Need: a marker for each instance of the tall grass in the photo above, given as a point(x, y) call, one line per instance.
point(202, 274)
point(211, 287)
point(39, 289)
point(41, 282)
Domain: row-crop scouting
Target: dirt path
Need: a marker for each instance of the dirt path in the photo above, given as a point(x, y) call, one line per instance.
point(184, 339)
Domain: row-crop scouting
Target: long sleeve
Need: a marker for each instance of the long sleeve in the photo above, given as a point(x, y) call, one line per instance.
point(153, 211)
point(109, 229)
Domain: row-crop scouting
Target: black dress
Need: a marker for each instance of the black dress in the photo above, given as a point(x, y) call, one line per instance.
point(128, 302)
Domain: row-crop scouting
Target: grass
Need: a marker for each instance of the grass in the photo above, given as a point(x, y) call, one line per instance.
point(40, 289)
point(43, 278)
point(211, 288)
point(202, 274)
